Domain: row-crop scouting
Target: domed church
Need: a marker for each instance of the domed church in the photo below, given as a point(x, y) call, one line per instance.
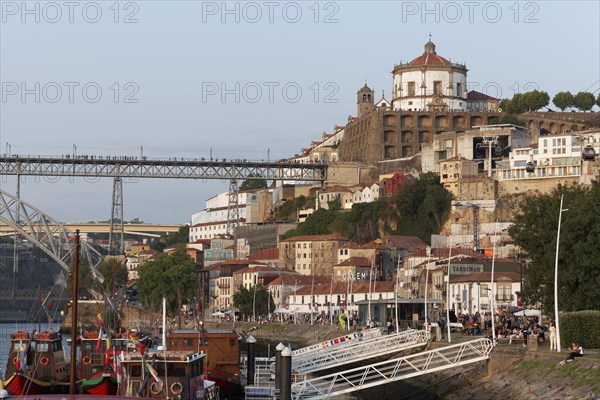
point(430, 83)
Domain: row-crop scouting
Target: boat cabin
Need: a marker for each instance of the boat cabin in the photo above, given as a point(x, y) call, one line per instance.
point(222, 346)
point(46, 355)
point(19, 341)
point(179, 375)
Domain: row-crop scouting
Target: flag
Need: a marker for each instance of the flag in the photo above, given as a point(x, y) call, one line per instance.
point(99, 339)
point(129, 392)
point(110, 302)
point(152, 371)
point(100, 320)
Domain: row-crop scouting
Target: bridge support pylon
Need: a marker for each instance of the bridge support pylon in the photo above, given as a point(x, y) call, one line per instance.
point(115, 236)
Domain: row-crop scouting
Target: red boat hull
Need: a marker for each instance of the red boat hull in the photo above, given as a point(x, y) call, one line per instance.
point(19, 384)
point(229, 385)
point(101, 384)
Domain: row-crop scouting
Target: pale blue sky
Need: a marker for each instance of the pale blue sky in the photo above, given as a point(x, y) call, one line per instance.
point(177, 51)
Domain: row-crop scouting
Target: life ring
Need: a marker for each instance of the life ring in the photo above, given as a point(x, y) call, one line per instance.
point(87, 360)
point(156, 387)
point(16, 360)
point(44, 361)
point(176, 388)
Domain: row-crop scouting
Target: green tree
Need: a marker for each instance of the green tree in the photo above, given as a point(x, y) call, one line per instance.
point(361, 224)
point(535, 100)
point(300, 202)
point(165, 276)
point(115, 274)
point(316, 224)
point(514, 105)
point(334, 205)
point(598, 100)
point(584, 101)
point(251, 184)
point(563, 100)
point(535, 231)
point(422, 207)
point(244, 300)
point(85, 280)
point(510, 119)
point(182, 236)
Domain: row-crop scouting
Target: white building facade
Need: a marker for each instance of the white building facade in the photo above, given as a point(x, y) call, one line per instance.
point(430, 83)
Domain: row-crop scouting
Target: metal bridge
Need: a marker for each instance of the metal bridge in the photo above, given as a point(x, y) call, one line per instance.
point(393, 370)
point(143, 167)
point(134, 229)
point(119, 167)
point(359, 350)
point(46, 233)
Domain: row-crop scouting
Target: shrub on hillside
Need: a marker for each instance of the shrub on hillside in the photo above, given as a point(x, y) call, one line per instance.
point(581, 327)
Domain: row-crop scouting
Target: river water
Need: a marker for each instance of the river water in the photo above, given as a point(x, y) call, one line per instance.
point(7, 328)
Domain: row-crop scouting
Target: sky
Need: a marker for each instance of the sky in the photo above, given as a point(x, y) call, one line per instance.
point(179, 78)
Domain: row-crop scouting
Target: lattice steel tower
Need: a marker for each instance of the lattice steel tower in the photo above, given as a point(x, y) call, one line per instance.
point(115, 237)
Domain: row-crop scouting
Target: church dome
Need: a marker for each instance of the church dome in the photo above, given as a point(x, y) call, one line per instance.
point(430, 57)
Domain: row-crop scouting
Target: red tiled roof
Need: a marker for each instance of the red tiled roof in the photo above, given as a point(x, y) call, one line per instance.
point(430, 60)
point(297, 279)
point(406, 242)
point(475, 95)
point(241, 262)
point(342, 287)
point(444, 252)
point(356, 262)
point(257, 269)
point(335, 189)
point(487, 276)
point(311, 238)
point(266, 254)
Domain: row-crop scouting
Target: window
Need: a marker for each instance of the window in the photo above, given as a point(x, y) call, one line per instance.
point(437, 87)
point(411, 88)
point(459, 89)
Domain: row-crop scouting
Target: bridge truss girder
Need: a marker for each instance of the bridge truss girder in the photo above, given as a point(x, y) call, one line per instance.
point(150, 168)
point(46, 233)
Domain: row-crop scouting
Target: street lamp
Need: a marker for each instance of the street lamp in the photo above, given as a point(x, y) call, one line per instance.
point(426, 283)
point(396, 293)
point(254, 305)
point(448, 295)
point(556, 274)
point(492, 297)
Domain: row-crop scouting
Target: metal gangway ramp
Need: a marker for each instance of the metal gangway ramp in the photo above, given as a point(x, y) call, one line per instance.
point(393, 370)
point(350, 338)
point(358, 350)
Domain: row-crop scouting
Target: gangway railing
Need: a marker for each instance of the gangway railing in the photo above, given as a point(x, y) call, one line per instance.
point(393, 370)
point(349, 339)
point(359, 351)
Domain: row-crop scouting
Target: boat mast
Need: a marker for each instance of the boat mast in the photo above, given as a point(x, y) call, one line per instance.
point(164, 323)
point(74, 298)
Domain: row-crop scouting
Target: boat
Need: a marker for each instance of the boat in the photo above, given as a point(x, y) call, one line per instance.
point(167, 374)
point(222, 347)
point(98, 370)
point(36, 365)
